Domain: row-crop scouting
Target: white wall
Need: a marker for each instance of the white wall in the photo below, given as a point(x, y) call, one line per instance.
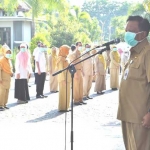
point(26, 31)
point(8, 24)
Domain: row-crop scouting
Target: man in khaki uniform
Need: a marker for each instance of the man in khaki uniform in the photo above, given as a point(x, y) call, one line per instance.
point(134, 93)
point(78, 78)
point(87, 73)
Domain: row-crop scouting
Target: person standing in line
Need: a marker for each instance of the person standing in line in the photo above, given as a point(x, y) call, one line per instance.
point(40, 71)
point(39, 43)
point(23, 70)
point(63, 81)
point(87, 73)
point(134, 92)
point(100, 71)
point(106, 55)
point(5, 76)
point(94, 76)
point(114, 68)
point(52, 69)
point(78, 78)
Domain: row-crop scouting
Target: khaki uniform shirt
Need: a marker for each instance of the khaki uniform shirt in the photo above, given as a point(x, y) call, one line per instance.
point(87, 65)
point(134, 93)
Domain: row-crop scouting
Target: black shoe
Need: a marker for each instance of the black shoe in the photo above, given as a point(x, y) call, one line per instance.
point(84, 103)
point(77, 103)
point(40, 96)
point(6, 107)
point(100, 92)
point(114, 89)
point(85, 98)
point(89, 97)
point(2, 108)
point(55, 91)
point(44, 96)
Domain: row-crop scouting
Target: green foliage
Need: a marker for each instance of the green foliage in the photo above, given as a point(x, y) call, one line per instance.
point(38, 37)
point(104, 11)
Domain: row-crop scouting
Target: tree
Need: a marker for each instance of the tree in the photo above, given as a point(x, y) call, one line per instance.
point(104, 11)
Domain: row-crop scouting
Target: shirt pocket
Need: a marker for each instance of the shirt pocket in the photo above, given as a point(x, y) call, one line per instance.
point(135, 71)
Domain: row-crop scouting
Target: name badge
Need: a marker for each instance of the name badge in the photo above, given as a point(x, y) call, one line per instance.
point(126, 72)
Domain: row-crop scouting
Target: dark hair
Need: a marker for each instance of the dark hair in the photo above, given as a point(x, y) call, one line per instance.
point(143, 23)
point(86, 45)
point(19, 47)
point(73, 47)
point(77, 43)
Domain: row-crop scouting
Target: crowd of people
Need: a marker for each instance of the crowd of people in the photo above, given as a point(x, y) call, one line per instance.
point(92, 69)
point(134, 88)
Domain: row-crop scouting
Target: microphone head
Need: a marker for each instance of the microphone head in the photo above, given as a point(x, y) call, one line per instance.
point(117, 41)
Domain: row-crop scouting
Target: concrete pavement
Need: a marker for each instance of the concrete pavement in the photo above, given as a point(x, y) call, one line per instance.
point(38, 125)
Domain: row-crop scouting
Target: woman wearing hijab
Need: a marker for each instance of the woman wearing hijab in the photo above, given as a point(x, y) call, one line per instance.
point(23, 71)
point(114, 68)
point(52, 69)
point(5, 76)
point(100, 72)
point(63, 84)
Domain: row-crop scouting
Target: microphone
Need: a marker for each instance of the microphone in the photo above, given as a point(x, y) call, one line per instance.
point(115, 41)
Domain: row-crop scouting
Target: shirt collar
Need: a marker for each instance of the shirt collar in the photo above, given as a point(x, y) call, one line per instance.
point(138, 48)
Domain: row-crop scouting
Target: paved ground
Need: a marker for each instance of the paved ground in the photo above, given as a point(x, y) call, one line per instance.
point(38, 125)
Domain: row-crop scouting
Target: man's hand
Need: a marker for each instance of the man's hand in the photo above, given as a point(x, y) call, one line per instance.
point(39, 72)
point(76, 76)
point(146, 121)
point(18, 76)
point(1, 81)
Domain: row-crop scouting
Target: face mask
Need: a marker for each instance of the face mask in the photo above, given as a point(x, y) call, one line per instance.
point(80, 48)
point(8, 56)
point(87, 49)
point(114, 49)
point(41, 49)
point(130, 38)
point(22, 49)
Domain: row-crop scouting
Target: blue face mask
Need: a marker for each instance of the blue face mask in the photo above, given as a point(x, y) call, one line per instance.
point(114, 49)
point(87, 49)
point(8, 56)
point(130, 38)
point(22, 49)
point(80, 48)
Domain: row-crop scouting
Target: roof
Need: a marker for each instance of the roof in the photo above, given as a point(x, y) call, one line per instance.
point(2, 19)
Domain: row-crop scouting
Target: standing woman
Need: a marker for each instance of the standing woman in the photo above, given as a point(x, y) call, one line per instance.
point(52, 69)
point(100, 72)
point(114, 68)
point(63, 84)
point(5, 76)
point(23, 70)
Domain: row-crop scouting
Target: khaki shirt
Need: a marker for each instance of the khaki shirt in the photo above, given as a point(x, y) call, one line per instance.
point(87, 65)
point(134, 93)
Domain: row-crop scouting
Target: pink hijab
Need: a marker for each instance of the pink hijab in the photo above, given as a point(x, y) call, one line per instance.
point(23, 56)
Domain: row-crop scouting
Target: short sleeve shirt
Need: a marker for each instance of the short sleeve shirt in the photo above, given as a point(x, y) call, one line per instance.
point(134, 92)
point(40, 57)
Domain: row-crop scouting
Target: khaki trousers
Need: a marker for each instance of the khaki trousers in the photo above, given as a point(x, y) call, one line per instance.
point(78, 88)
point(135, 136)
point(87, 84)
point(3, 96)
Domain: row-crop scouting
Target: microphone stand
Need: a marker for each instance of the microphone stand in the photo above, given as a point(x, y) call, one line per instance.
point(72, 71)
